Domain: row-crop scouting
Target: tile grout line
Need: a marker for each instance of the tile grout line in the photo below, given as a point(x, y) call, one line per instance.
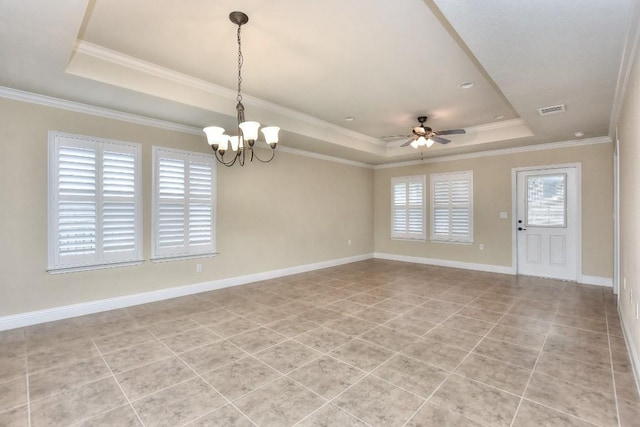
point(206, 382)
point(397, 353)
point(428, 399)
point(322, 354)
point(26, 363)
point(613, 375)
point(119, 386)
point(535, 365)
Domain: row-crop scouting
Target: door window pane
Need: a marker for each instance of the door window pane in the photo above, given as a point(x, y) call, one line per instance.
point(546, 201)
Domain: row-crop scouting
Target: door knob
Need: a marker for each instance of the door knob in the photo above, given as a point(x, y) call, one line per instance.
point(521, 229)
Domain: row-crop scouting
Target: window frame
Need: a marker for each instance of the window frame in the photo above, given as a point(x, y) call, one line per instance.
point(448, 177)
point(57, 140)
point(420, 179)
point(189, 252)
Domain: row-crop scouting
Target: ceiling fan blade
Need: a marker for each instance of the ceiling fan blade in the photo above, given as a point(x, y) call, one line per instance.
point(451, 132)
point(440, 140)
point(408, 142)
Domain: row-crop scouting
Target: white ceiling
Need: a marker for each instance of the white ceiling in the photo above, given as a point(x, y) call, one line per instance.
point(308, 65)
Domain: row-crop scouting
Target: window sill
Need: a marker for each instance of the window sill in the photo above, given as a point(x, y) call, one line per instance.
point(183, 257)
point(62, 270)
point(406, 239)
point(453, 242)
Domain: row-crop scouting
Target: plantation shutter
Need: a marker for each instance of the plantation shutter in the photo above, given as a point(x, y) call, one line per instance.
point(452, 207)
point(118, 202)
point(170, 225)
point(183, 204)
point(200, 205)
point(94, 203)
point(76, 219)
point(407, 210)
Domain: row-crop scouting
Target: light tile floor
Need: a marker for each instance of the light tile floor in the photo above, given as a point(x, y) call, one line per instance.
point(376, 343)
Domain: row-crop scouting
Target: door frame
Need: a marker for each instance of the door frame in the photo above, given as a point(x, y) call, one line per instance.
point(578, 219)
point(616, 215)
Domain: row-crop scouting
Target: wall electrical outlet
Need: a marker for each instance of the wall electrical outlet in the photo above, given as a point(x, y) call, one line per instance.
point(349, 242)
point(481, 246)
point(504, 215)
point(198, 268)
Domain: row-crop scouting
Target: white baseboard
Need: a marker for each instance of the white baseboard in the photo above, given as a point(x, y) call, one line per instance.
point(447, 263)
point(633, 353)
point(596, 280)
point(64, 312)
point(57, 313)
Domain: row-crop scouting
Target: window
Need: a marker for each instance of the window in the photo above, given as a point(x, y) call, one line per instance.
point(183, 204)
point(95, 209)
point(452, 207)
point(407, 207)
point(546, 203)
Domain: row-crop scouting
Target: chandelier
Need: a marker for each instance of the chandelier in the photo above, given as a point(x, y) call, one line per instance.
point(242, 145)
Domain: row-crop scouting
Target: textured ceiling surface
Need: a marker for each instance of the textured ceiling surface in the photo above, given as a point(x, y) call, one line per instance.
point(308, 65)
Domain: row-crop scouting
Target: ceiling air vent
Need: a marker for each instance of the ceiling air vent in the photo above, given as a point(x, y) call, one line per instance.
point(554, 109)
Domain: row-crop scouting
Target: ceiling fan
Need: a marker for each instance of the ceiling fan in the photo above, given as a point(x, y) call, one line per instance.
point(425, 136)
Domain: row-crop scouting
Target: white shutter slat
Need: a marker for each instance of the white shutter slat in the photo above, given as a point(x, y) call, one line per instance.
point(171, 174)
point(171, 225)
point(119, 227)
point(76, 228)
point(76, 172)
point(118, 175)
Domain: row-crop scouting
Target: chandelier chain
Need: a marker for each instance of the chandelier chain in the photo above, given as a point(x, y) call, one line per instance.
point(240, 61)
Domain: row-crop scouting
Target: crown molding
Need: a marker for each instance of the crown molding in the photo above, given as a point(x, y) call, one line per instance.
point(501, 152)
point(496, 125)
point(78, 107)
point(319, 156)
point(130, 62)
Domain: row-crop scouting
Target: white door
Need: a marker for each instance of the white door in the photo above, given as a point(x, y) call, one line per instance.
point(547, 222)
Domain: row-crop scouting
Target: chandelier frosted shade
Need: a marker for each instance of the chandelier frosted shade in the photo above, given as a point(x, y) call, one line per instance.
point(271, 135)
point(250, 131)
point(214, 135)
point(236, 142)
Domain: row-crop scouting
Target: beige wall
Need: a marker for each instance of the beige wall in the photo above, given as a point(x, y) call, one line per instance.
point(629, 153)
point(293, 211)
point(492, 194)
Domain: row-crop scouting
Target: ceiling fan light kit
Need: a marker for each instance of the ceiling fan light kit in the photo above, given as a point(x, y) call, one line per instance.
point(424, 136)
point(241, 145)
